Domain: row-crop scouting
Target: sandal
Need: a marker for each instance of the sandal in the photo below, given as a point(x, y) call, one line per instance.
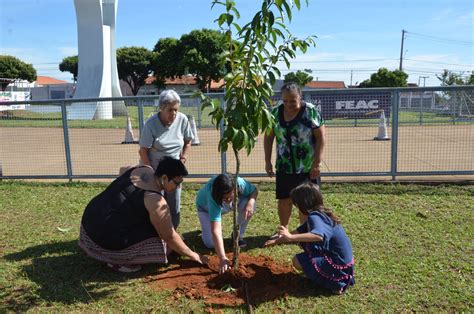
point(274, 236)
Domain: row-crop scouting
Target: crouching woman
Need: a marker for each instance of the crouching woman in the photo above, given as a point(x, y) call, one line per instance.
point(129, 224)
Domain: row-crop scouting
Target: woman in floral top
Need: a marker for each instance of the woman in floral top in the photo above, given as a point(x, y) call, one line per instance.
point(299, 133)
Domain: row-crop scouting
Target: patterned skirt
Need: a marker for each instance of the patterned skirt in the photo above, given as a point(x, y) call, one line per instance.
point(152, 250)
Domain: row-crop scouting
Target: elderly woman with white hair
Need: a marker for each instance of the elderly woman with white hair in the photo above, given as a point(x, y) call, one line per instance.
point(168, 133)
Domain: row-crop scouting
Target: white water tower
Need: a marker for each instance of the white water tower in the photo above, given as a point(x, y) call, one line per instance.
point(97, 69)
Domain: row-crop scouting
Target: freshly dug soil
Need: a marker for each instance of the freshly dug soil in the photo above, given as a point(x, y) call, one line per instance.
point(258, 277)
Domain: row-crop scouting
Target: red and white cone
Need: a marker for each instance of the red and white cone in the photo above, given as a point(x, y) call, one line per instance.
point(382, 133)
point(129, 133)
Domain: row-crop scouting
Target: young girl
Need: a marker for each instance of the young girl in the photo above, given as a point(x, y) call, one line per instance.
point(327, 258)
point(215, 199)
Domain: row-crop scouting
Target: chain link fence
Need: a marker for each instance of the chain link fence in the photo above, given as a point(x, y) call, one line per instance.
point(370, 133)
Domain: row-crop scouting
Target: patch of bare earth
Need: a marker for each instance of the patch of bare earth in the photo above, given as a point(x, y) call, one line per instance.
point(258, 279)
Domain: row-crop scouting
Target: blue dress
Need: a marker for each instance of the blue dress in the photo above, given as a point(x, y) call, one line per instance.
point(328, 263)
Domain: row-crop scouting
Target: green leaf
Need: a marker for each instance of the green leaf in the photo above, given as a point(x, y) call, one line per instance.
point(216, 2)
point(288, 10)
point(229, 19)
point(236, 12)
point(297, 3)
point(271, 18)
point(237, 27)
point(221, 20)
point(63, 230)
point(228, 288)
point(276, 70)
point(286, 61)
point(272, 77)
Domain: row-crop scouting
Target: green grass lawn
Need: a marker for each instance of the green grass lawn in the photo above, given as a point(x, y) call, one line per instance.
point(412, 244)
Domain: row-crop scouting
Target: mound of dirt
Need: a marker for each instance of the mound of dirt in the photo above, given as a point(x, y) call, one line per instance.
point(258, 279)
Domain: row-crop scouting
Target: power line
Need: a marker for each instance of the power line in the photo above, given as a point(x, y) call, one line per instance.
point(354, 60)
point(439, 39)
point(436, 62)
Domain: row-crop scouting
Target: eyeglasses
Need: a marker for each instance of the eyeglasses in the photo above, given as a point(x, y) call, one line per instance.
point(178, 183)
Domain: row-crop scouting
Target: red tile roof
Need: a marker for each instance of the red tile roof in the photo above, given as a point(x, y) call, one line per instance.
point(183, 80)
point(217, 85)
point(46, 80)
point(326, 84)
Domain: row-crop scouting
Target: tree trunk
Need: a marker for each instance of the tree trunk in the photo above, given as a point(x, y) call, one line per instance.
point(236, 229)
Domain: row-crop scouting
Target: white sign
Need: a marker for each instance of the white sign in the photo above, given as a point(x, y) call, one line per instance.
point(361, 104)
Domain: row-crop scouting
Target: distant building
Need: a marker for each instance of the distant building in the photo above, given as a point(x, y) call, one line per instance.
point(46, 87)
point(313, 85)
point(182, 85)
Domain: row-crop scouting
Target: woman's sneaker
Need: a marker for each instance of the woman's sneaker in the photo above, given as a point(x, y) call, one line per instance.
point(124, 268)
point(242, 243)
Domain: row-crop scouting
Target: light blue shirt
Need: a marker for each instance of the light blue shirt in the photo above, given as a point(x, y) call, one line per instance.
point(205, 202)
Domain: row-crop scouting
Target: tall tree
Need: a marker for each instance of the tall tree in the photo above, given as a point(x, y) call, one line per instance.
point(449, 78)
point(386, 78)
point(203, 55)
point(300, 77)
point(166, 63)
point(14, 68)
point(252, 57)
point(70, 64)
point(134, 65)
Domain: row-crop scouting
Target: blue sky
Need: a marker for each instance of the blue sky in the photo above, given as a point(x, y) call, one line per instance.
point(361, 36)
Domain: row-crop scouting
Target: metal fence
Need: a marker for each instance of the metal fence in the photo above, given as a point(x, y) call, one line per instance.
point(427, 131)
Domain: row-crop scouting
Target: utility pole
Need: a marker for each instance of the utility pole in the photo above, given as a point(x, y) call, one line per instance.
point(424, 79)
point(401, 50)
point(351, 77)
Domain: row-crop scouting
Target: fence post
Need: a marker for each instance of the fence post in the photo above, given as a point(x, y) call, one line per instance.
point(421, 108)
point(199, 125)
point(395, 124)
point(67, 146)
point(222, 129)
point(140, 117)
point(454, 107)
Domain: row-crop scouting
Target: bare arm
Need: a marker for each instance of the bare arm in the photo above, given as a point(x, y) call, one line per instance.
point(185, 150)
point(303, 237)
point(160, 218)
point(143, 152)
point(292, 237)
point(216, 231)
point(250, 204)
point(267, 148)
point(320, 137)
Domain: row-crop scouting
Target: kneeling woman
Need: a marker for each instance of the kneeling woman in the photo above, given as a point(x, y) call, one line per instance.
point(129, 223)
point(213, 200)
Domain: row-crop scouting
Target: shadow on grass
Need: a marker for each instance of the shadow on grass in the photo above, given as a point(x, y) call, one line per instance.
point(64, 274)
